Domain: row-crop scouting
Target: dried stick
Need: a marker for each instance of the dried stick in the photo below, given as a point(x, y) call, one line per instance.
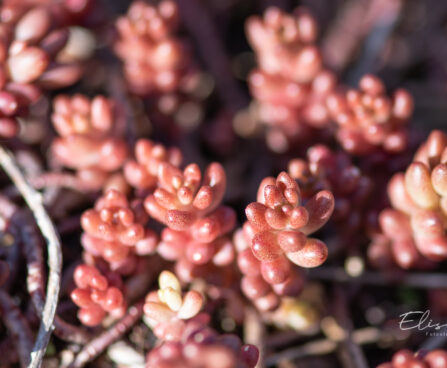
point(349, 351)
point(13, 257)
point(18, 326)
point(116, 87)
point(35, 279)
point(69, 332)
point(57, 180)
point(367, 335)
point(282, 338)
point(96, 346)
point(199, 23)
point(385, 16)
point(351, 354)
point(416, 280)
point(7, 210)
point(346, 33)
point(34, 201)
point(22, 227)
point(137, 286)
point(32, 249)
point(356, 20)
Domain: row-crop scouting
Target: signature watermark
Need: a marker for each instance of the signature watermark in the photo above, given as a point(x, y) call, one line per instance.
point(421, 321)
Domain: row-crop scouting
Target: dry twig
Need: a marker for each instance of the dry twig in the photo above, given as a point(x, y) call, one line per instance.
point(349, 352)
point(201, 26)
point(362, 336)
point(397, 277)
point(34, 201)
point(33, 250)
point(96, 346)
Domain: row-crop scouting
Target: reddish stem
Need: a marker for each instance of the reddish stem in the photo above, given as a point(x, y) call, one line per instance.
point(201, 26)
point(18, 326)
point(96, 346)
point(57, 179)
point(33, 250)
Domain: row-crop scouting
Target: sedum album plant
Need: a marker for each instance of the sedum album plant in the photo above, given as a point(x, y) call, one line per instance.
point(414, 229)
point(406, 358)
point(90, 140)
point(274, 239)
point(40, 52)
point(95, 295)
point(367, 118)
point(290, 85)
point(196, 222)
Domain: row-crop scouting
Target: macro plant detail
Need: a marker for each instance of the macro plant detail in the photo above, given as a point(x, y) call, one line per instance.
point(157, 62)
point(142, 173)
point(89, 139)
point(153, 59)
point(280, 222)
point(414, 228)
point(351, 188)
point(96, 296)
point(260, 280)
point(114, 230)
point(190, 207)
point(39, 53)
point(187, 340)
point(166, 310)
point(367, 118)
point(290, 85)
point(223, 184)
point(202, 347)
point(274, 239)
point(406, 358)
